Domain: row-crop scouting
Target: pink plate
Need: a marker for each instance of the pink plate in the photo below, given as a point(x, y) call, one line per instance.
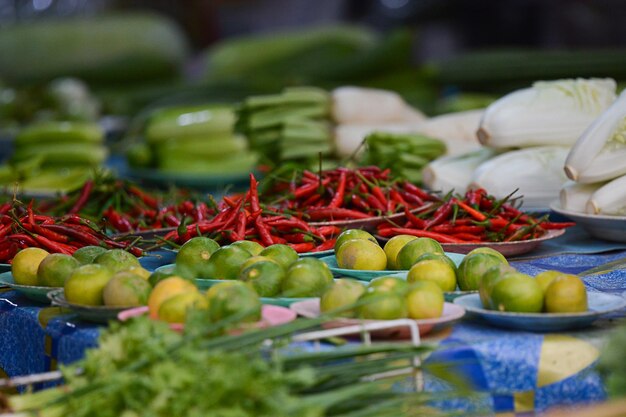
point(270, 316)
point(451, 313)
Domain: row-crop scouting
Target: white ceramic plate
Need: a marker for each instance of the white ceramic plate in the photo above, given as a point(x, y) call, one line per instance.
point(599, 226)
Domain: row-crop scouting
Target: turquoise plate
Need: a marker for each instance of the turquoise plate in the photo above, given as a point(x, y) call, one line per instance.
point(5, 267)
point(31, 292)
point(599, 304)
point(320, 254)
point(365, 275)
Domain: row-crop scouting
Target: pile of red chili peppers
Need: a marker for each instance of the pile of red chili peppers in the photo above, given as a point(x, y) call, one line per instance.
point(344, 193)
point(473, 218)
point(21, 228)
point(242, 217)
point(121, 207)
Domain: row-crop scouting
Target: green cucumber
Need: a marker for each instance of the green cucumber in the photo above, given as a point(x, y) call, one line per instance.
point(63, 154)
point(59, 132)
point(185, 122)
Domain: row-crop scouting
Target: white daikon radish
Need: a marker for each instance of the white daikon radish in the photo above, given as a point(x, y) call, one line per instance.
point(352, 105)
point(574, 196)
point(610, 199)
point(600, 152)
point(548, 113)
point(454, 172)
point(536, 172)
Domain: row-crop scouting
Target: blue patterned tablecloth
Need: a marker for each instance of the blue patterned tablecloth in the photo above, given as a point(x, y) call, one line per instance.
point(518, 372)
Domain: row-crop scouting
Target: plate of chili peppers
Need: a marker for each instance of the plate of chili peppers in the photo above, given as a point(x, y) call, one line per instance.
point(477, 219)
point(32, 292)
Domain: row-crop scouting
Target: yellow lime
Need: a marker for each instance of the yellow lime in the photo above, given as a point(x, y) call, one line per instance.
point(25, 264)
point(55, 269)
point(566, 294)
point(425, 300)
point(87, 254)
point(361, 254)
point(141, 271)
point(174, 309)
point(385, 305)
point(489, 251)
point(165, 289)
point(393, 246)
point(351, 234)
point(436, 270)
point(283, 254)
point(545, 278)
point(396, 284)
point(86, 284)
point(253, 247)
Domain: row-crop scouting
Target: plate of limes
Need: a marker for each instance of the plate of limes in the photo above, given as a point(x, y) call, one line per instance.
point(94, 314)
point(599, 304)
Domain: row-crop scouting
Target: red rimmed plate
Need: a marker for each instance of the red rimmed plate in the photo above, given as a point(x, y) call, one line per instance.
point(271, 315)
point(451, 314)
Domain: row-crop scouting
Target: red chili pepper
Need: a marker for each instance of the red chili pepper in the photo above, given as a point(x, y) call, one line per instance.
point(337, 200)
point(553, 225)
point(4, 208)
point(308, 174)
point(418, 202)
point(264, 232)
point(415, 190)
point(328, 244)
point(172, 220)
point(21, 237)
point(375, 203)
point(358, 202)
point(76, 234)
point(467, 237)
point(53, 246)
point(302, 247)
point(471, 211)
point(327, 231)
point(83, 197)
point(254, 194)
point(441, 214)
point(449, 228)
point(289, 223)
point(335, 213)
point(51, 234)
point(393, 231)
point(278, 239)
point(148, 200)
point(397, 197)
point(415, 221)
point(311, 200)
point(297, 238)
point(240, 231)
point(119, 223)
point(380, 195)
point(5, 230)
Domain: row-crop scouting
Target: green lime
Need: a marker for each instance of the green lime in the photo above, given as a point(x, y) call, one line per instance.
point(342, 293)
point(253, 247)
point(225, 263)
point(393, 246)
point(436, 270)
point(361, 254)
point(385, 305)
point(491, 277)
point(258, 258)
point(566, 294)
point(351, 234)
point(410, 252)
point(517, 292)
point(88, 254)
point(440, 256)
point(264, 276)
point(545, 278)
point(55, 269)
point(86, 284)
point(283, 254)
point(117, 260)
point(193, 257)
point(227, 300)
point(308, 277)
point(396, 284)
point(472, 269)
point(126, 289)
point(489, 251)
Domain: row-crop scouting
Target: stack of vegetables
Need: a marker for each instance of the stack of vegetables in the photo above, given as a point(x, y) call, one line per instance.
point(404, 154)
point(21, 228)
point(56, 155)
point(294, 124)
point(544, 120)
point(194, 140)
point(597, 163)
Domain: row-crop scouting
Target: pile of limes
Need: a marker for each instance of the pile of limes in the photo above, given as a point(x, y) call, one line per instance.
point(423, 258)
point(386, 298)
point(505, 289)
point(272, 271)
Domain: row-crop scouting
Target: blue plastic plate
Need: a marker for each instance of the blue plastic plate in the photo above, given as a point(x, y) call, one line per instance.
point(320, 254)
point(366, 275)
point(599, 304)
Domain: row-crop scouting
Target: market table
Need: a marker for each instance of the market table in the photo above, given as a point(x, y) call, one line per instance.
point(517, 371)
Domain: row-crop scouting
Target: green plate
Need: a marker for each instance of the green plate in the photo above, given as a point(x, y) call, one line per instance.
point(94, 314)
point(31, 292)
point(365, 275)
point(320, 254)
point(5, 267)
